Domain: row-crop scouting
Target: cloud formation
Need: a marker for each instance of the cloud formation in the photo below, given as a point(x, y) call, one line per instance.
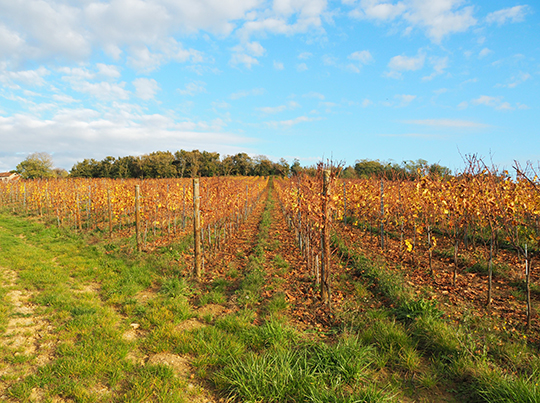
point(437, 18)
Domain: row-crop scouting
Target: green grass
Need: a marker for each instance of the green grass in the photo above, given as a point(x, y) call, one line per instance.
point(390, 344)
point(87, 328)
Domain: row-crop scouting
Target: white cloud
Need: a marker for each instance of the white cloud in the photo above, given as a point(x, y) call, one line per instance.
point(366, 102)
point(404, 99)
point(102, 90)
point(287, 17)
point(486, 100)
point(493, 102)
point(438, 18)
point(484, 52)
point(33, 78)
point(87, 130)
point(221, 105)
point(379, 10)
point(246, 54)
point(108, 70)
point(453, 123)
point(64, 98)
point(401, 63)
point(315, 95)
point(278, 65)
point(363, 57)
point(439, 65)
point(255, 48)
point(244, 93)
point(305, 55)
point(242, 58)
point(512, 14)
point(404, 63)
point(193, 88)
point(292, 122)
point(504, 106)
point(519, 79)
point(145, 88)
point(276, 109)
point(301, 67)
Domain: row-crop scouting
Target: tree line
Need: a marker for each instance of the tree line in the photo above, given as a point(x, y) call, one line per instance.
point(195, 163)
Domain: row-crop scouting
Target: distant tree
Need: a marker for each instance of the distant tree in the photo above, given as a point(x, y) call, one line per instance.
point(439, 170)
point(158, 164)
point(412, 168)
point(188, 163)
point(127, 167)
point(87, 168)
point(262, 166)
point(349, 173)
point(106, 167)
point(60, 173)
point(366, 168)
point(209, 164)
point(36, 165)
point(242, 164)
point(295, 167)
point(282, 168)
point(226, 165)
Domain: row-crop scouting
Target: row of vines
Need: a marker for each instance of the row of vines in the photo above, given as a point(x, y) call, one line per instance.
point(164, 207)
point(481, 209)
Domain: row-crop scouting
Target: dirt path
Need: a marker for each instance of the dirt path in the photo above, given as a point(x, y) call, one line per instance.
point(28, 338)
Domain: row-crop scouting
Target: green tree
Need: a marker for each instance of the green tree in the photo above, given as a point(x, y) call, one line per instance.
point(60, 173)
point(210, 164)
point(36, 165)
point(87, 168)
point(263, 166)
point(367, 168)
point(158, 164)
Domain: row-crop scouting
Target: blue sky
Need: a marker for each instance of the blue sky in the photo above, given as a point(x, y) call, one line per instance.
point(306, 79)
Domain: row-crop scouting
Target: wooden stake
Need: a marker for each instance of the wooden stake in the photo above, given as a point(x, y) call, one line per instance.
point(137, 217)
point(197, 228)
point(109, 206)
point(325, 286)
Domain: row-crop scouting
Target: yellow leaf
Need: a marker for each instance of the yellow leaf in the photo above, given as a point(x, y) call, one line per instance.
point(409, 245)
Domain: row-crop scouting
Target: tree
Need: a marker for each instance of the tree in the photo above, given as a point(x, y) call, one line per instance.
point(87, 168)
point(367, 168)
point(60, 173)
point(282, 167)
point(158, 164)
point(263, 166)
point(36, 165)
point(295, 167)
point(243, 164)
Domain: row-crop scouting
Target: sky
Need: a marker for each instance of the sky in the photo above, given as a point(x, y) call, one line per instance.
point(308, 79)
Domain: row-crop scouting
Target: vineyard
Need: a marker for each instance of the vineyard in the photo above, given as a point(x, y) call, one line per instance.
point(153, 212)
point(430, 281)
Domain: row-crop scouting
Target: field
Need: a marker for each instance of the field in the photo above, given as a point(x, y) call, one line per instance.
point(353, 291)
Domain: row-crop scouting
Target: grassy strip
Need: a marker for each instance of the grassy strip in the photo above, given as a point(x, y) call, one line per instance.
point(272, 361)
point(82, 293)
point(472, 356)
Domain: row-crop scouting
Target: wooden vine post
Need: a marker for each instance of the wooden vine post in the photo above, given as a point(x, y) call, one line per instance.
point(197, 228)
point(528, 287)
point(138, 216)
point(109, 207)
point(325, 286)
point(382, 214)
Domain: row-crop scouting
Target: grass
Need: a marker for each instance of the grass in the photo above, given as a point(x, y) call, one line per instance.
point(486, 361)
point(391, 343)
point(90, 352)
